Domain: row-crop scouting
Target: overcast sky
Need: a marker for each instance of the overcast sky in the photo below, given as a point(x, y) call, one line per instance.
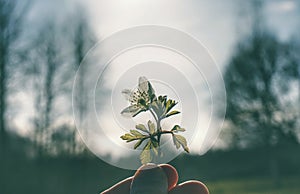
point(217, 24)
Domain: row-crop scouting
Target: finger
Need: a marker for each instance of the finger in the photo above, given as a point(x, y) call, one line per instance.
point(122, 187)
point(172, 175)
point(148, 179)
point(190, 187)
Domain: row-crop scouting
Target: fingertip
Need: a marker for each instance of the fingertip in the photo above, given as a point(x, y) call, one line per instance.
point(150, 178)
point(122, 187)
point(172, 175)
point(191, 187)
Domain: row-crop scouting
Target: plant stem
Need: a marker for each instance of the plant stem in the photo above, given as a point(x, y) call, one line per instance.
point(158, 127)
point(158, 131)
point(162, 132)
point(153, 114)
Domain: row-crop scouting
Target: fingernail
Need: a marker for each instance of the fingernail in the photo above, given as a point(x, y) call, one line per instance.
point(149, 179)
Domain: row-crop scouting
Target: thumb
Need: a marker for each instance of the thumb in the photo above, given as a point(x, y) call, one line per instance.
point(149, 179)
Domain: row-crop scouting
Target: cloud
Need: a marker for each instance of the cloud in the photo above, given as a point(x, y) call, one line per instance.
point(283, 6)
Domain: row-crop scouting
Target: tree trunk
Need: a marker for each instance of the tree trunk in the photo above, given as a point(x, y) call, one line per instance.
point(2, 96)
point(3, 137)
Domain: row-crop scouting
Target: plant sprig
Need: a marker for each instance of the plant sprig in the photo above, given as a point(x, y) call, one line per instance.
point(143, 99)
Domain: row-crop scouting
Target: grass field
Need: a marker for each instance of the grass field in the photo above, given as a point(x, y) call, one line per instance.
point(289, 185)
point(232, 172)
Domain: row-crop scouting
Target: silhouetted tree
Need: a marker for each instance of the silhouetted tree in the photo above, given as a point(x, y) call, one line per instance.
point(260, 98)
point(11, 15)
point(260, 82)
point(83, 40)
point(47, 73)
point(53, 64)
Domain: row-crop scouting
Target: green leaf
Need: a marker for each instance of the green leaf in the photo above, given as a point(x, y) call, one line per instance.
point(162, 98)
point(174, 112)
point(182, 142)
point(170, 104)
point(181, 139)
point(155, 106)
point(154, 146)
point(136, 133)
point(176, 143)
point(186, 149)
point(128, 137)
point(158, 108)
point(145, 156)
point(151, 127)
point(142, 128)
point(177, 128)
point(138, 143)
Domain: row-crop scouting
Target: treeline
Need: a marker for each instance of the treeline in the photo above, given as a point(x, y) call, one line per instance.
point(40, 54)
point(262, 80)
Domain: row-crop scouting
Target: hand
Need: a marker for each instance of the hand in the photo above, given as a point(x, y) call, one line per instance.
point(157, 178)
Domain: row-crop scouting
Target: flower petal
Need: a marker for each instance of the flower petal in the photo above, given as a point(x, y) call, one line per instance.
point(127, 94)
point(151, 91)
point(143, 84)
point(130, 111)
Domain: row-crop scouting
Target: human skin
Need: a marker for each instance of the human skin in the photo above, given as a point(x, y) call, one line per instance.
point(148, 175)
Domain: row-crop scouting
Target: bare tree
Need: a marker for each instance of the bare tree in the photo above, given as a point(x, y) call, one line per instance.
point(11, 18)
point(259, 93)
point(52, 69)
point(46, 67)
point(260, 80)
point(83, 40)
point(11, 13)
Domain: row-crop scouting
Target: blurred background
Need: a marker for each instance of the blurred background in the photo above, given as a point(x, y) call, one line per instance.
point(256, 44)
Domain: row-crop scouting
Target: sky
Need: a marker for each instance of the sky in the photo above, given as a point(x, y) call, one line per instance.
point(217, 25)
point(197, 18)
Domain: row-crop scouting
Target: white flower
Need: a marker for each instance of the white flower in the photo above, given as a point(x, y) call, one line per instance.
point(139, 99)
